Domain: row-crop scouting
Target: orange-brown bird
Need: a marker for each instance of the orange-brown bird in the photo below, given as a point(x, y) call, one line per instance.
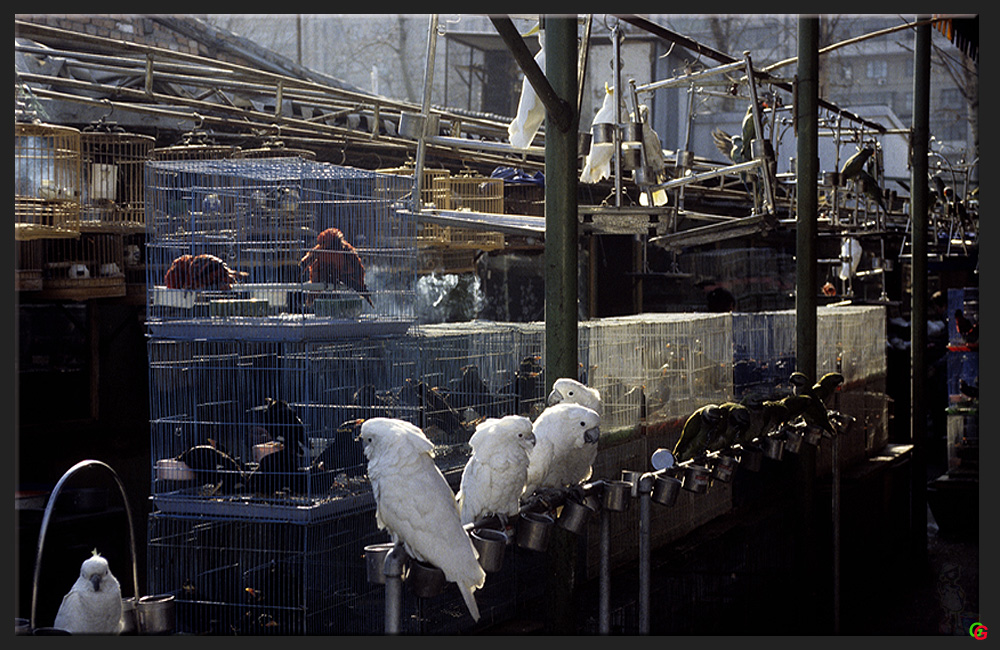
point(333, 259)
point(202, 271)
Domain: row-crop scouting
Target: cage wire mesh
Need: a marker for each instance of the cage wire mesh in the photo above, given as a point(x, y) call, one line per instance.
point(47, 160)
point(269, 424)
point(264, 240)
point(257, 576)
point(764, 349)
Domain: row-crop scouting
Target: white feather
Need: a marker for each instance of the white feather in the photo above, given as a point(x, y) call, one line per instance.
point(494, 476)
point(94, 604)
point(565, 446)
point(415, 504)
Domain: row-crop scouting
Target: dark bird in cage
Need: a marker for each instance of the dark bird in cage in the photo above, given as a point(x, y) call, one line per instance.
point(214, 470)
point(202, 271)
point(470, 393)
point(334, 260)
point(528, 387)
point(286, 468)
point(967, 389)
point(702, 426)
point(849, 170)
point(442, 422)
point(967, 329)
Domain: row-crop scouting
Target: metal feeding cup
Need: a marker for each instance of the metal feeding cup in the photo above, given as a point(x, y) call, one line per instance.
point(695, 478)
point(490, 544)
point(665, 490)
point(534, 530)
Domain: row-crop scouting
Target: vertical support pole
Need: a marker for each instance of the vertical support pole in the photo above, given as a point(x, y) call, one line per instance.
point(418, 172)
point(393, 570)
point(561, 272)
point(645, 489)
point(918, 285)
point(807, 207)
point(616, 49)
point(806, 128)
point(604, 606)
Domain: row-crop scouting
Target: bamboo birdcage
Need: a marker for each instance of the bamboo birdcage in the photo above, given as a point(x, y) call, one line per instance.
point(46, 180)
point(86, 267)
point(112, 184)
point(430, 194)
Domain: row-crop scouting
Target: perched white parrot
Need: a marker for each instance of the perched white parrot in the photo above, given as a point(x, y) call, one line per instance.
point(415, 504)
point(566, 438)
point(850, 253)
point(572, 391)
point(597, 166)
point(94, 604)
point(494, 476)
point(530, 109)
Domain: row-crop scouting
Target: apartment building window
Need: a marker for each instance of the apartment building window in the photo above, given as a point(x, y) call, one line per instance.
point(877, 68)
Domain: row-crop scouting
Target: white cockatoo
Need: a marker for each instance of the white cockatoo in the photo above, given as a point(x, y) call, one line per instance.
point(597, 165)
point(415, 504)
point(566, 389)
point(566, 438)
point(94, 604)
point(530, 109)
point(494, 476)
point(850, 255)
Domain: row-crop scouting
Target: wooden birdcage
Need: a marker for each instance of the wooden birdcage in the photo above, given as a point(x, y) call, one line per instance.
point(46, 181)
point(470, 192)
point(89, 266)
point(431, 195)
point(112, 185)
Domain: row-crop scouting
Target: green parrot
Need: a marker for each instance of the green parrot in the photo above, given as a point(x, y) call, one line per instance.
point(702, 426)
point(810, 408)
point(772, 414)
point(870, 188)
point(799, 382)
point(738, 420)
point(827, 386)
point(856, 163)
point(749, 131)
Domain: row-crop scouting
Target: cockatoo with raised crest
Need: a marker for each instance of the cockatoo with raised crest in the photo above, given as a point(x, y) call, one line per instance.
point(494, 476)
point(566, 437)
point(530, 109)
point(94, 604)
point(415, 504)
point(597, 165)
point(566, 389)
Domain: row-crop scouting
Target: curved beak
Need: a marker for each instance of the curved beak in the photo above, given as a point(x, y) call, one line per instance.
point(591, 436)
point(96, 581)
point(554, 397)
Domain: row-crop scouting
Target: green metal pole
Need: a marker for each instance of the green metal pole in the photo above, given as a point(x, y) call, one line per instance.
point(806, 128)
point(807, 134)
point(918, 285)
point(561, 279)
point(561, 205)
